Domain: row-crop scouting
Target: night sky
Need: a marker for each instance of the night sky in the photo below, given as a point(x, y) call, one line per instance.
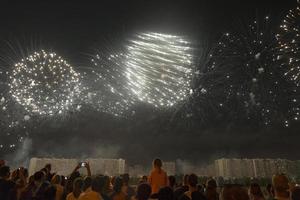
point(75, 29)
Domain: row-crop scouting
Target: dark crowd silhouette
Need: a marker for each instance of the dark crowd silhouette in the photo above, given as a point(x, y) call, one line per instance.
point(46, 185)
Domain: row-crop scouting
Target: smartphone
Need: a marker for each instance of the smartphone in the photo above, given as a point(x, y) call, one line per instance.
point(82, 164)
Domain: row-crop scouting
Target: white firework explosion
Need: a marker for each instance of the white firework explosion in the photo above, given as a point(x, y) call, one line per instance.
point(44, 83)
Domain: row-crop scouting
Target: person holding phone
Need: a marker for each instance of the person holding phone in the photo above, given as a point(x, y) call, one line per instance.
point(83, 165)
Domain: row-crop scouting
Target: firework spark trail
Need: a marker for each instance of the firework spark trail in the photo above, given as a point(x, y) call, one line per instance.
point(151, 68)
point(289, 39)
point(44, 83)
point(159, 68)
point(108, 92)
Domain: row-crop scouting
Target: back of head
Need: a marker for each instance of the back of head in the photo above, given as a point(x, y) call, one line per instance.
point(211, 183)
point(185, 179)
point(157, 163)
point(255, 190)
point(4, 171)
point(296, 193)
point(48, 167)
point(87, 182)
point(50, 193)
point(280, 185)
point(38, 176)
point(78, 184)
point(2, 163)
point(172, 181)
point(192, 180)
point(118, 183)
point(143, 191)
point(165, 193)
point(96, 184)
point(234, 192)
point(125, 178)
point(56, 179)
point(211, 189)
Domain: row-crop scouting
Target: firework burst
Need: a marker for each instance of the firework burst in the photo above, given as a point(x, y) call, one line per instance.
point(159, 68)
point(44, 83)
point(249, 67)
point(150, 68)
point(289, 39)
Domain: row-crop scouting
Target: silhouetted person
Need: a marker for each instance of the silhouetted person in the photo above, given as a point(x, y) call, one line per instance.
point(183, 188)
point(95, 193)
point(7, 187)
point(255, 192)
point(234, 192)
point(211, 190)
point(77, 189)
point(165, 193)
point(129, 191)
point(118, 193)
point(295, 193)
point(143, 192)
point(280, 185)
point(193, 190)
point(158, 177)
point(172, 182)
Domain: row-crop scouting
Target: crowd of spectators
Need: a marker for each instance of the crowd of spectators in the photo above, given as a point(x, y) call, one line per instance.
point(46, 185)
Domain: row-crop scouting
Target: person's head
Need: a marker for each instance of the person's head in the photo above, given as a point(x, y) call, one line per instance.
point(106, 187)
point(25, 173)
point(48, 167)
point(144, 179)
point(280, 185)
point(45, 171)
point(255, 190)
point(200, 187)
point(192, 181)
point(63, 180)
point(185, 180)
point(211, 184)
point(38, 177)
point(165, 193)
point(157, 163)
point(4, 172)
point(234, 192)
point(295, 193)
point(143, 191)
point(50, 193)
point(117, 187)
point(97, 184)
point(172, 181)
point(77, 186)
point(87, 182)
point(126, 178)
point(2, 163)
point(56, 179)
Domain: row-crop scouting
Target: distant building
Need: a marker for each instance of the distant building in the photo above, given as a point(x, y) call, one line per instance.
point(255, 167)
